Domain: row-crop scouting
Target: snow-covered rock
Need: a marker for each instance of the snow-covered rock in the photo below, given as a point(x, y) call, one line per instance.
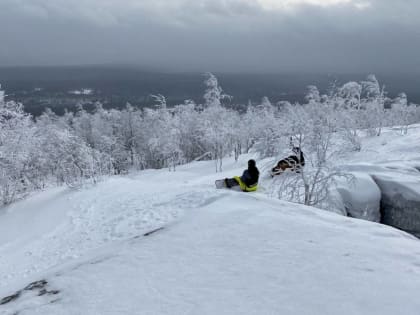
point(361, 197)
point(400, 204)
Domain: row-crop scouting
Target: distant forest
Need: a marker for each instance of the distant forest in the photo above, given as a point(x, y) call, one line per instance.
point(60, 88)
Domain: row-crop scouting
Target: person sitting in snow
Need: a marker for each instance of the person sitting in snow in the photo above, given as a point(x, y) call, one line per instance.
point(249, 179)
point(293, 162)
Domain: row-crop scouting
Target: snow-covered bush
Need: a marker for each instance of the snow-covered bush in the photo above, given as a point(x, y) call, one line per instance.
point(313, 127)
point(18, 142)
point(313, 186)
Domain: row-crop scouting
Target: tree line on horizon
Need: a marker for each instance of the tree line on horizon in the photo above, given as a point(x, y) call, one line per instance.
point(83, 147)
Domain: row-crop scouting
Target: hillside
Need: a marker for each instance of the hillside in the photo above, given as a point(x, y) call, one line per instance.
point(219, 252)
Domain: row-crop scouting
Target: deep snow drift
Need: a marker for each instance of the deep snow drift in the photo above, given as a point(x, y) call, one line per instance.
point(220, 251)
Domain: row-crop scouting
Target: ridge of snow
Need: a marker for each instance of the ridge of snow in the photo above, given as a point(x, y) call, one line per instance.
point(220, 252)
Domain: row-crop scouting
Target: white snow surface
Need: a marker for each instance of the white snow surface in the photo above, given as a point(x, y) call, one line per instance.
point(219, 252)
point(361, 197)
point(81, 92)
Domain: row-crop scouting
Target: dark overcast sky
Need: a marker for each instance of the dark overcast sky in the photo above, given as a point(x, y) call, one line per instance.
point(215, 35)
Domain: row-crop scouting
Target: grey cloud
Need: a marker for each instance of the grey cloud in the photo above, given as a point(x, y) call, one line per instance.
point(215, 35)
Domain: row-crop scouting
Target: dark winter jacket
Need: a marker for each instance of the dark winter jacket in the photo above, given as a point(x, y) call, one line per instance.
point(250, 176)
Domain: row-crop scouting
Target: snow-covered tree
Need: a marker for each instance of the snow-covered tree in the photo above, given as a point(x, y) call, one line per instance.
point(18, 142)
point(214, 93)
point(214, 131)
point(312, 94)
point(265, 129)
point(188, 124)
point(1, 95)
point(351, 92)
point(83, 146)
point(374, 104)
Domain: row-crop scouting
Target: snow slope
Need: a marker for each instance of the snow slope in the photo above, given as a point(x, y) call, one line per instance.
point(220, 251)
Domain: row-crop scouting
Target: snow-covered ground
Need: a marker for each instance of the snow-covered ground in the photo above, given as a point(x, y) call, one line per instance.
point(219, 252)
